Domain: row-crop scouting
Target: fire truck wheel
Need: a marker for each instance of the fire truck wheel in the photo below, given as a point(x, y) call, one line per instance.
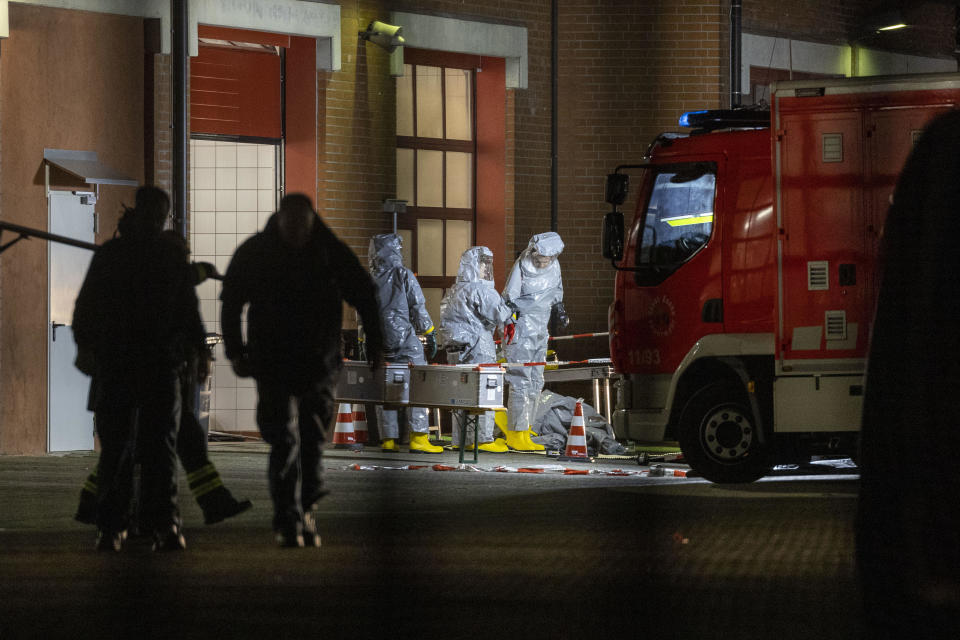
point(718, 436)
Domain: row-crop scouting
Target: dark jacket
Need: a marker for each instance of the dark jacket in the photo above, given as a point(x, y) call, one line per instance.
point(136, 311)
point(295, 299)
point(908, 528)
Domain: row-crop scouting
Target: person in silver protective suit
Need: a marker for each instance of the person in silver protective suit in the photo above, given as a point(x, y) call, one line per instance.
point(534, 291)
point(469, 313)
point(403, 313)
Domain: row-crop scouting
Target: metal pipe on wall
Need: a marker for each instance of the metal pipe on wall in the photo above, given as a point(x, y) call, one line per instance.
point(554, 100)
point(736, 32)
point(178, 22)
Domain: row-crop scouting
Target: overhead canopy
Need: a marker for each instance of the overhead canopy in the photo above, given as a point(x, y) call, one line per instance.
point(86, 166)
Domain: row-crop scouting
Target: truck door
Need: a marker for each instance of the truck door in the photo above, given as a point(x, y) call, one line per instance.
point(891, 134)
point(824, 307)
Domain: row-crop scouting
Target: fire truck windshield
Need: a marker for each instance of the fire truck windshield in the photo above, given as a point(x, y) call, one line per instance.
point(678, 219)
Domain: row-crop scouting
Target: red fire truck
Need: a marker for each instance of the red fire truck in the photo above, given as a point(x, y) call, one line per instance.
point(745, 285)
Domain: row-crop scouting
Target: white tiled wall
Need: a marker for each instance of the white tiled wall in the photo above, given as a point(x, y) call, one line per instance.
point(234, 191)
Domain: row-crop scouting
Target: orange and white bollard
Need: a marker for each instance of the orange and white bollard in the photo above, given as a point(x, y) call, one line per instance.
point(343, 435)
point(577, 438)
point(360, 424)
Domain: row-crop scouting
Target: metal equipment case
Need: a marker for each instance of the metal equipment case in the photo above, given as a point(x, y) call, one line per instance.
point(457, 386)
point(359, 383)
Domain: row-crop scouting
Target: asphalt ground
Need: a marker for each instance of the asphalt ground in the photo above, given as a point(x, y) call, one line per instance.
point(459, 554)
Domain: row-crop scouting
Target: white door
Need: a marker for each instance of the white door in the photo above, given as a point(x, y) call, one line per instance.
point(69, 424)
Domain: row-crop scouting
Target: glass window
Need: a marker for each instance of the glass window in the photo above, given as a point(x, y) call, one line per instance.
point(405, 102)
point(406, 251)
point(405, 171)
point(433, 296)
point(458, 103)
point(435, 166)
point(429, 103)
point(430, 247)
point(678, 220)
point(429, 178)
point(459, 180)
point(459, 234)
point(245, 180)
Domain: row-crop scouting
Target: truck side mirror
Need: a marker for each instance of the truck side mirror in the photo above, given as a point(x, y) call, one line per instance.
point(612, 237)
point(617, 186)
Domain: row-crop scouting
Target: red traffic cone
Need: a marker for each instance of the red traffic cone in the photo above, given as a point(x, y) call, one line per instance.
point(360, 424)
point(343, 435)
point(577, 438)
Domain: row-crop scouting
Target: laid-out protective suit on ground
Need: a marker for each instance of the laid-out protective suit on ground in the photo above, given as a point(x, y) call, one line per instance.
point(553, 419)
point(469, 313)
point(403, 314)
point(534, 290)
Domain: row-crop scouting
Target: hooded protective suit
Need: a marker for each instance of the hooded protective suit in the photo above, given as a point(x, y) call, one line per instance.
point(403, 314)
point(469, 313)
point(533, 288)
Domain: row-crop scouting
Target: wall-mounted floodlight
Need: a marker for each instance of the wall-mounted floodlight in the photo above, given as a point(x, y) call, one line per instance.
point(394, 207)
point(386, 36)
point(898, 25)
point(886, 21)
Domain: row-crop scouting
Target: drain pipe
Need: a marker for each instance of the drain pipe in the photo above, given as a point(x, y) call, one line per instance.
point(736, 32)
point(554, 100)
point(178, 22)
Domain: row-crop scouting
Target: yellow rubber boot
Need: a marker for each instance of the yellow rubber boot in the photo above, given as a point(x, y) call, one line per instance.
point(420, 443)
point(533, 445)
point(500, 420)
point(497, 446)
point(520, 441)
point(389, 445)
point(514, 440)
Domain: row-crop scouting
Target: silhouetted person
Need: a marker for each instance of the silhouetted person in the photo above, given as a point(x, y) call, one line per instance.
point(134, 322)
point(908, 527)
point(295, 275)
point(206, 484)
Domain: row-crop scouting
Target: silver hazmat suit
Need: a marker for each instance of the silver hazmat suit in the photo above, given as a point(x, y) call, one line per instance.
point(403, 312)
point(533, 287)
point(469, 313)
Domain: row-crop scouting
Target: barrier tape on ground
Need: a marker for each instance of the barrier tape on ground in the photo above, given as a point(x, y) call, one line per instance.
point(653, 472)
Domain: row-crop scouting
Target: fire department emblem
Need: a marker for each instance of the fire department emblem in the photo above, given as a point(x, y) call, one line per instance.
point(662, 316)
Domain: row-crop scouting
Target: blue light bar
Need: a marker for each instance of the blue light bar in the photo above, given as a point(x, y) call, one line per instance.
point(685, 118)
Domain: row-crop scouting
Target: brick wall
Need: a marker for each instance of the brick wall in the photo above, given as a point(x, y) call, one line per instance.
point(628, 70)
point(510, 175)
point(71, 80)
point(931, 33)
point(818, 20)
point(356, 156)
point(532, 131)
point(358, 137)
point(3, 216)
